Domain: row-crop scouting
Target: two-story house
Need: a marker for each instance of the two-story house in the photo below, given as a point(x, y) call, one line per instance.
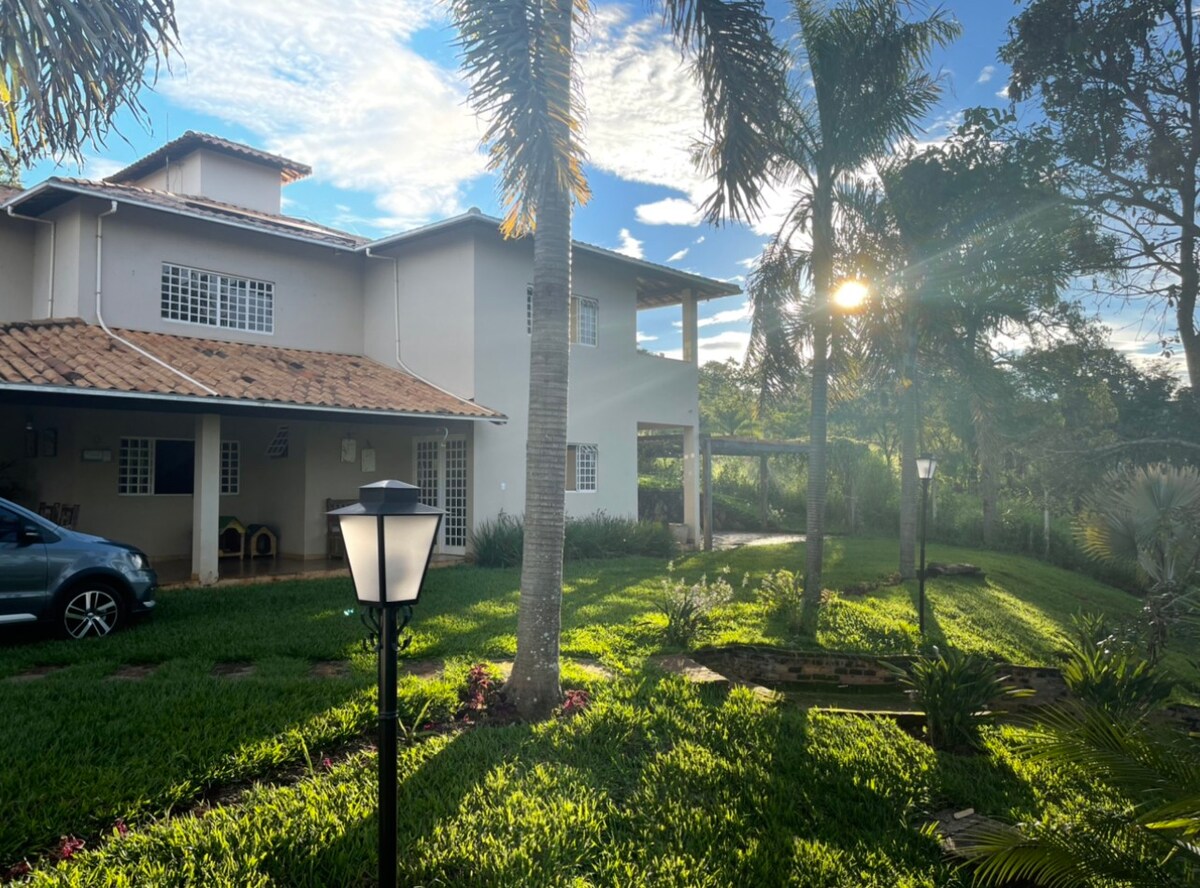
point(174, 349)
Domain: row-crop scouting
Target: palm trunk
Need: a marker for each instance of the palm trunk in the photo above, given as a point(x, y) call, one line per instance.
point(814, 546)
point(909, 422)
point(534, 684)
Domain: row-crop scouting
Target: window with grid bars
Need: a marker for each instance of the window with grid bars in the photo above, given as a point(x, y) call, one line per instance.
point(231, 468)
point(582, 464)
point(166, 467)
point(585, 318)
point(193, 296)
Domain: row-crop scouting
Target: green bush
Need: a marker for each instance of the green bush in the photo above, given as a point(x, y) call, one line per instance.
point(955, 690)
point(499, 542)
point(688, 608)
point(1109, 675)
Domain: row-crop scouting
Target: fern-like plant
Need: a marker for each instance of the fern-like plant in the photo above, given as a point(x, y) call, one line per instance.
point(955, 690)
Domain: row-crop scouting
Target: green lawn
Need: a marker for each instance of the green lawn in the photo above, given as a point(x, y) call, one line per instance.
point(82, 748)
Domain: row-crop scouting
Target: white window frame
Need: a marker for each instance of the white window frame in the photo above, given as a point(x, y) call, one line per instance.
point(203, 298)
point(231, 468)
point(578, 303)
point(137, 478)
point(584, 474)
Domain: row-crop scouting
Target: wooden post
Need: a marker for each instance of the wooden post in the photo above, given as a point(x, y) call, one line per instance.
point(708, 495)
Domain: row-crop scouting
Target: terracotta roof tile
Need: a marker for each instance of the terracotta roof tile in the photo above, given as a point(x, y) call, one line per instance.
point(176, 149)
point(69, 353)
point(207, 208)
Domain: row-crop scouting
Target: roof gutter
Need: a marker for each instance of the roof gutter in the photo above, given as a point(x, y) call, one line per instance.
point(100, 306)
point(159, 208)
point(201, 400)
point(53, 235)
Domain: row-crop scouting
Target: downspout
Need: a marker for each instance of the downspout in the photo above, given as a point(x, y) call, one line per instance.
point(396, 306)
point(100, 302)
point(53, 232)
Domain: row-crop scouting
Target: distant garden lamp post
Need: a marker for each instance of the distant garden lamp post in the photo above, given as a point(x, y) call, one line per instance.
point(388, 536)
point(926, 466)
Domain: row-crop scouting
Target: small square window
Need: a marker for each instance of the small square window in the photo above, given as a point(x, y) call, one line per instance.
point(134, 467)
point(231, 468)
point(582, 465)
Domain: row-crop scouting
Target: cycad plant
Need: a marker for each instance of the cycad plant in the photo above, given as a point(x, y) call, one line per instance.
point(1149, 517)
point(1148, 840)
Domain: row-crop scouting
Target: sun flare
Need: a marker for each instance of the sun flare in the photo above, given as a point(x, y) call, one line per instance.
point(850, 296)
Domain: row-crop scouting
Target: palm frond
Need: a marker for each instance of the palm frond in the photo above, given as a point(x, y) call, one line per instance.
point(67, 67)
point(741, 74)
point(776, 329)
point(517, 56)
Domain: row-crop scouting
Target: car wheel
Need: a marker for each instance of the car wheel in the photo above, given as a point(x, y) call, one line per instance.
point(91, 610)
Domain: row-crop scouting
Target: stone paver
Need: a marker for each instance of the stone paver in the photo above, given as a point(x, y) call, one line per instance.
point(33, 673)
point(330, 669)
point(134, 671)
point(234, 669)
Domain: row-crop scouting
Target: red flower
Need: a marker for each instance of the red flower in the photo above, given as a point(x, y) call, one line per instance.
point(70, 847)
point(120, 827)
point(327, 763)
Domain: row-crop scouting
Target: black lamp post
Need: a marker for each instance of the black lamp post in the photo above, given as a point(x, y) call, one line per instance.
point(388, 536)
point(926, 466)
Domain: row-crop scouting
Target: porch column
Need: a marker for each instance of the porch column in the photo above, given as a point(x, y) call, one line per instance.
point(691, 351)
point(691, 482)
point(206, 499)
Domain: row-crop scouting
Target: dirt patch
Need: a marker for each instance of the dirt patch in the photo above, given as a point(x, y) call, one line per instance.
point(234, 669)
point(134, 671)
point(330, 669)
point(33, 673)
point(422, 668)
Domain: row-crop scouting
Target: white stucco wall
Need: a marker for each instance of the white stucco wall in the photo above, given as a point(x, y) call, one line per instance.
point(612, 387)
point(179, 176)
point(437, 321)
point(318, 291)
point(17, 240)
point(218, 176)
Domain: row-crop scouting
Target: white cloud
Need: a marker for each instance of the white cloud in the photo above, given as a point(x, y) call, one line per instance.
point(1002, 94)
point(338, 87)
point(630, 245)
point(986, 74)
point(729, 316)
point(699, 240)
point(669, 211)
point(678, 255)
point(730, 344)
point(645, 337)
point(100, 167)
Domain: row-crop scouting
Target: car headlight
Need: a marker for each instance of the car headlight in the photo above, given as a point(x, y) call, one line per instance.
point(138, 560)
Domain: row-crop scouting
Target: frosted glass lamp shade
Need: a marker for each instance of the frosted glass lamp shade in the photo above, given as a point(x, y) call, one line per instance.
point(388, 538)
point(926, 466)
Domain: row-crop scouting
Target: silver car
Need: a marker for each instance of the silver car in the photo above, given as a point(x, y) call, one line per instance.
point(85, 585)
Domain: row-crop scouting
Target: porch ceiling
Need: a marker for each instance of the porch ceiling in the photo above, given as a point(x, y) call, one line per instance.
point(69, 356)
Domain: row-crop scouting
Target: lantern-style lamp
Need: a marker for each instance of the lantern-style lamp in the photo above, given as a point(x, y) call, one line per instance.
point(926, 467)
point(388, 537)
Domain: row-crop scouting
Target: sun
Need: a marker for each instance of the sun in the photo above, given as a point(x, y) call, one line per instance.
point(850, 296)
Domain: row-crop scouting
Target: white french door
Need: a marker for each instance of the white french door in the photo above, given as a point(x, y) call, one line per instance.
point(441, 472)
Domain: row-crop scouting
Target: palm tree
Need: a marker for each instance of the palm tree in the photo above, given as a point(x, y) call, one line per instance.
point(867, 89)
point(1151, 843)
point(67, 67)
point(1149, 518)
point(518, 56)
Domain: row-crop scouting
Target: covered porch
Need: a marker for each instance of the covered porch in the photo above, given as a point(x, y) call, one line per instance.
point(214, 485)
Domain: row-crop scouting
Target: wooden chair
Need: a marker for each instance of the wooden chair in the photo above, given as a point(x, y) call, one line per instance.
point(68, 515)
point(49, 511)
point(334, 548)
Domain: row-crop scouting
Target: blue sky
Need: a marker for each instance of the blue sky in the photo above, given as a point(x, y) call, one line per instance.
point(370, 96)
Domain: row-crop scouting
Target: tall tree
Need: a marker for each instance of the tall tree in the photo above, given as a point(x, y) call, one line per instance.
point(1119, 84)
point(67, 68)
point(861, 86)
point(518, 55)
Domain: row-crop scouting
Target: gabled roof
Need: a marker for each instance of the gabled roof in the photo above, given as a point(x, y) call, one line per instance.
point(177, 149)
point(58, 190)
point(70, 356)
point(658, 285)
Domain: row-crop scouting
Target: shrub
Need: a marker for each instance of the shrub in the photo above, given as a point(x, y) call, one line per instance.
point(782, 592)
point(499, 542)
point(1110, 675)
point(688, 608)
point(955, 690)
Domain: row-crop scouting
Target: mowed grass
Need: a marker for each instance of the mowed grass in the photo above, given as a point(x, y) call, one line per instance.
point(658, 783)
point(81, 748)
